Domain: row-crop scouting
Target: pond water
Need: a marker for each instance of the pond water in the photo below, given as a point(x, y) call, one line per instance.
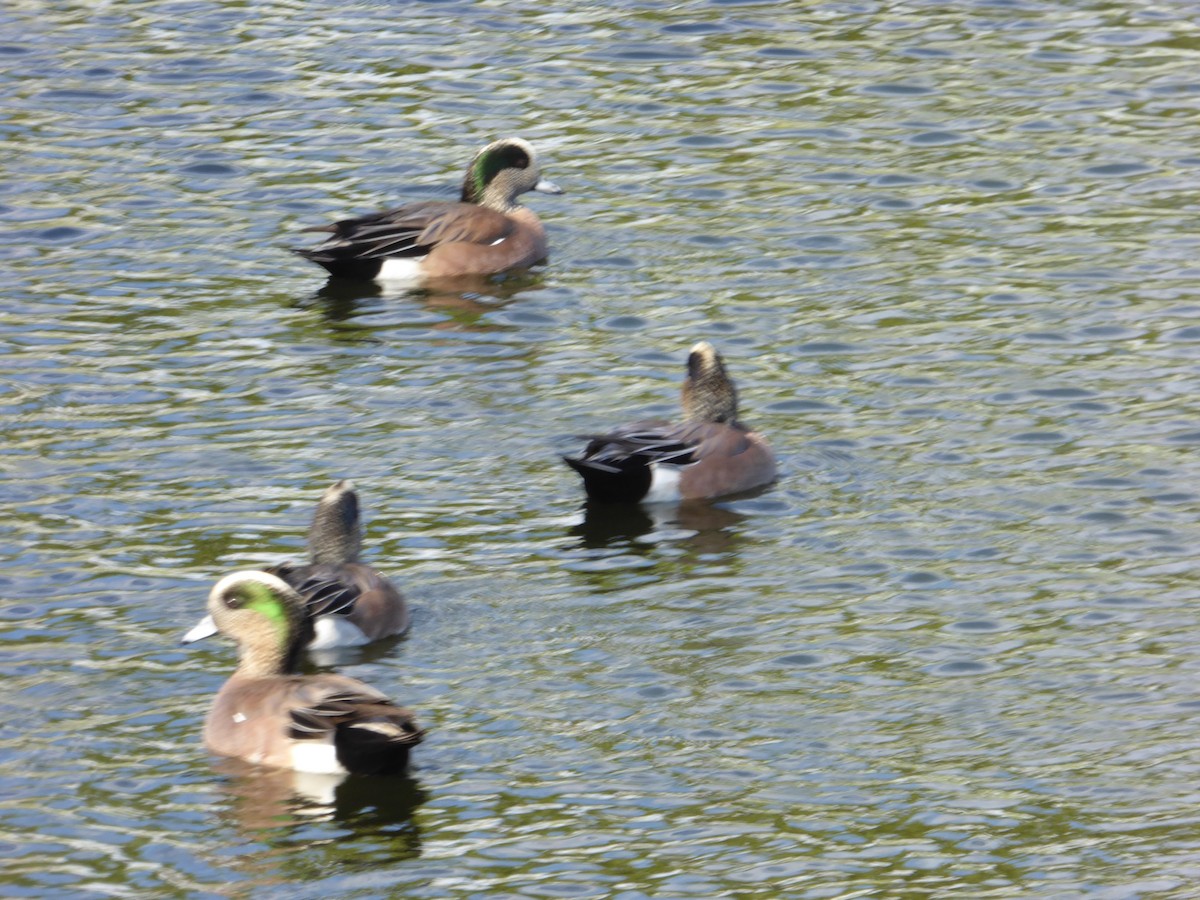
point(949, 252)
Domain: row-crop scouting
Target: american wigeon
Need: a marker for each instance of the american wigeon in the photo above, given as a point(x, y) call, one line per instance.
point(710, 454)
point(265, 713)
point(483, 233)
point(350, 603)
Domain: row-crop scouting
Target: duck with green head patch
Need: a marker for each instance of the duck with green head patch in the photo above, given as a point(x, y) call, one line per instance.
point(266, 713)
point(710, 454)
point(485, 232)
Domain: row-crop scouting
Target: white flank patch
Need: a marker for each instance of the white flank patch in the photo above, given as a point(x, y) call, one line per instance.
point(664, 484)
point(206, 627)
point(408, 269)
point(239, 718)
point(316, 757)
point(335, 631)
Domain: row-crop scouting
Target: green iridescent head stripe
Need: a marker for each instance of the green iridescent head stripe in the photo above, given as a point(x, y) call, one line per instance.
point(493, 160)
point(263, 599)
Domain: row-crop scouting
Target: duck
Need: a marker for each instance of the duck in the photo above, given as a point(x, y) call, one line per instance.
point(350, 603)
point(709, 454)
point(484, 232)
point(267, 714)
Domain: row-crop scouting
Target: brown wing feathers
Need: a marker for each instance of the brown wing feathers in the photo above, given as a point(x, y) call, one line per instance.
point(411, 230)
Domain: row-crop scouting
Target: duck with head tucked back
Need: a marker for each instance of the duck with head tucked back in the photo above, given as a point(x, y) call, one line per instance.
point(265, 713)
point(708, 455)
point(349, 602)
point(483, 233)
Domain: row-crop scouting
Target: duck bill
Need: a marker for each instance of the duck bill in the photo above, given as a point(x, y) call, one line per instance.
point(546, 186)
point(206, 627)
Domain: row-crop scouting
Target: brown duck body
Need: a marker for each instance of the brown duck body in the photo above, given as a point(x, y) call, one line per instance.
point(314, 723)
point(437, 239)
point(709, 455)
point(655, 461)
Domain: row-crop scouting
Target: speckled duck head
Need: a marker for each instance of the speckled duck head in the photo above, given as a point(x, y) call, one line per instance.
point(501, 172)
point(708, 392)
point(265, 617)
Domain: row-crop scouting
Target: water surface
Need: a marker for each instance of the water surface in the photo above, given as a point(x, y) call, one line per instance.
point(949, 254)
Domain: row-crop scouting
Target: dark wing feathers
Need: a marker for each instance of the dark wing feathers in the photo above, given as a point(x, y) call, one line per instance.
point(370, 735)
point(664, 447)
point(322, 715)
point(325, 597)
point(364, 710)
point(616, 467)
point(409, 231)
point(324, 593)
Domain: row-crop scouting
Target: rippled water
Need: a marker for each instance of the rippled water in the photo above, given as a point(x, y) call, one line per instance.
point(949, 254)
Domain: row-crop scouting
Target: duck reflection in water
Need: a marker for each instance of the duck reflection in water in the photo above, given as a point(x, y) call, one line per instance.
point(267, 799)
point(465, 299)
point(615, 525)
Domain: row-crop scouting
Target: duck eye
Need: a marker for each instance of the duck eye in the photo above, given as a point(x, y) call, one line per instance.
point(234, 599)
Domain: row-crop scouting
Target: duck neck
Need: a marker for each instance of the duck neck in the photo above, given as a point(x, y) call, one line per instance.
point(273, 645)
point(258, 660)
point(710, 403)
point(498, 195)
point(335, 537)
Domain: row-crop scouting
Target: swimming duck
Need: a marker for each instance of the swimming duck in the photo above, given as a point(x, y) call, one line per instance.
point(350, 603)
point(265, 713)
point(485, 232)
point(708, 455)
